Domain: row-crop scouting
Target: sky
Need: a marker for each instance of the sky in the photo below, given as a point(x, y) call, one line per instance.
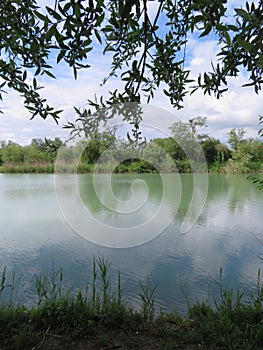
point(240, 106)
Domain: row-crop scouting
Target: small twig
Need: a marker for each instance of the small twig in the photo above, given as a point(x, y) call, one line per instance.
point(54, 335)
point(44, 338)
point(112, 347)
point(46, 333)
point(144, 55)
point(42, 342)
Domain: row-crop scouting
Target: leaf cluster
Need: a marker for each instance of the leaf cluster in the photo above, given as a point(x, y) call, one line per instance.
point(148, 49)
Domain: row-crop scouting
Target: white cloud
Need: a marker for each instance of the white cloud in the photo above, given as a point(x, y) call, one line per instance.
point(7, 135)
point(27, 130)
point(197, 61)
point(202, 53)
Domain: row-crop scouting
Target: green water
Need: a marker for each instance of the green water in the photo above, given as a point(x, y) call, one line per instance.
point(138, 227)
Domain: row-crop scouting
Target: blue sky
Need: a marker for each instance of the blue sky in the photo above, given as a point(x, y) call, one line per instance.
point(240, 107)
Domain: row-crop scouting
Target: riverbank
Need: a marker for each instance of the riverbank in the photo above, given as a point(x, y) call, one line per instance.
point(133, 168)
point(99, 319)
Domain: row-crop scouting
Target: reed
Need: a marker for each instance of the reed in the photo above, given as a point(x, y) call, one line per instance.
point(100, 315)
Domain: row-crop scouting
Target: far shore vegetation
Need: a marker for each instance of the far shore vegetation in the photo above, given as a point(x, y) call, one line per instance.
point(100, 318)
point(244, 155)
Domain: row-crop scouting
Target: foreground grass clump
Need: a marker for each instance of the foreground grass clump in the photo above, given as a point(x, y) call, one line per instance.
point(100, 319)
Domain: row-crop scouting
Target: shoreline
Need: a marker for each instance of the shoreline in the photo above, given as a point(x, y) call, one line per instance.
point(98, 319)
point(89, 169)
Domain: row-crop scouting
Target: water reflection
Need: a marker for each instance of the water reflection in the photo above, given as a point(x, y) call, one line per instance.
point(33, 232)
point(114, 222)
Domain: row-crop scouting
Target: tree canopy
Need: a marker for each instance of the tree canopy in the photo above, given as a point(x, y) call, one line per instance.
point(147, 51)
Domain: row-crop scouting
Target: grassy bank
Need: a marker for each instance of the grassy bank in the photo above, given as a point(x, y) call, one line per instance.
point(99, 319)
point(47, 168)
point(139, 166)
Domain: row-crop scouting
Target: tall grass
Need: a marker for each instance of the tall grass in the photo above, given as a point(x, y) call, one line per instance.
point(228, 323)
point(10, 286)
point(41, 168)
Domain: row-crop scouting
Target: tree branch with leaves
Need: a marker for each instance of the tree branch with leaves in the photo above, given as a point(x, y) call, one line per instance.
point(146, 53)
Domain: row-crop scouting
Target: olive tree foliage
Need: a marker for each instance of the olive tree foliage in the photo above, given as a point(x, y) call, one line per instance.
point(147, 52)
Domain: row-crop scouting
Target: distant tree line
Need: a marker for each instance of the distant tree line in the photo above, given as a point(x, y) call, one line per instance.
point(176, 153)
point(39, 156)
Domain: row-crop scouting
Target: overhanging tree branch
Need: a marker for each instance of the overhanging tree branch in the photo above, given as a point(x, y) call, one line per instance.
point(30, 37)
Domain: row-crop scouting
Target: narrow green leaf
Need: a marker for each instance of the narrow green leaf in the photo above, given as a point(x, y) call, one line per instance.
point(67, 6)
point(227, 37)
point(76, 10)
point(97, 34)
point(59, 37)
point(34, 84)
point(42, 17)
point(47, 72)
point(207, 30)
point(198, 18)
point(99, 20)
point(248, 84)
point(75, 72)
point(167, 93)
point(53, 13)
point(221, 27)
point(232, 27)
point(60, 55)
point(243, 13)
point(24, 75)
point(245, 44)
point(50, 32)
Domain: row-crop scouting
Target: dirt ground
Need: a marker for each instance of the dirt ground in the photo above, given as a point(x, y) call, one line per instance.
point(122, 340)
